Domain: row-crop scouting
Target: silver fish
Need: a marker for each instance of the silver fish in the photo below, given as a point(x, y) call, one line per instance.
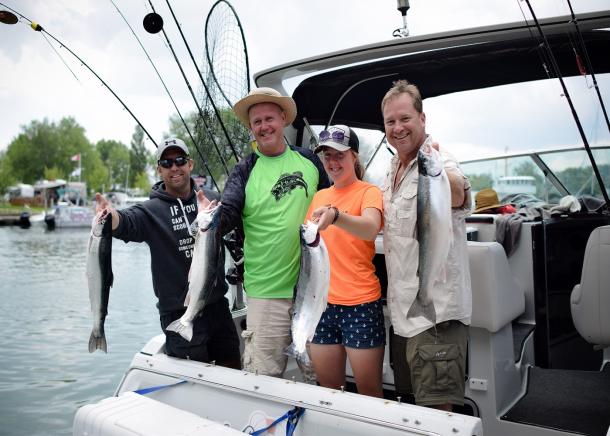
point(311, 292)
point(434, 230)
point(203, 272)
point(99, 276)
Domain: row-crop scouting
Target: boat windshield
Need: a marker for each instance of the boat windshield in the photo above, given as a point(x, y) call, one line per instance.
point(518, 138)
point(546, 176)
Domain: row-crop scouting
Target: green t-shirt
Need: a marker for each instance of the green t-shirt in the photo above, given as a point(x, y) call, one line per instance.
point(278, 193)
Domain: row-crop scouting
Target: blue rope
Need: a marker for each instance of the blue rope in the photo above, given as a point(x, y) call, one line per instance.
point(145, 391)
point(292, 419)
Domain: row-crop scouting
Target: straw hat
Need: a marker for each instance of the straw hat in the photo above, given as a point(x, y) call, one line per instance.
point(265, 95)
point(486, 199)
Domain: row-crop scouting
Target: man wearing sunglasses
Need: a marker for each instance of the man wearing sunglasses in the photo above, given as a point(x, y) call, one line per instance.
point(163, 223)
point(267, 196)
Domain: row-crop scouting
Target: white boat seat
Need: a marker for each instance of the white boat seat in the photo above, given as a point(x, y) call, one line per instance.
point(496, 298)
point(590, 299)
point(485, 223)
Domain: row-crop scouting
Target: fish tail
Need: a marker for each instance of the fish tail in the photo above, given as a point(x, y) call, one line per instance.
point(302, 358)
point(425, 309)
point(97, 342)
point(291, 350)
point(184, 330)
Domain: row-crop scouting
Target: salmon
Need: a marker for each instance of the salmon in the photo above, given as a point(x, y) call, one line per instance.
point(311, 292)
point(434, 229)
point(99, 276)
point(203, 271)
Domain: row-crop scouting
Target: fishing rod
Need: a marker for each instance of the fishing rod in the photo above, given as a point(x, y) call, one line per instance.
point(205, 163)
point(588, 63)
point(557, 73)
point(156, 25)
point(205, 87)
point(38, 28)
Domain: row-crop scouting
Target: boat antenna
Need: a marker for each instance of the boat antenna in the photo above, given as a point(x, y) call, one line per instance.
point(153, 23)
point(557, 73)
point(205, 86)
point(205, 163)
point(588, 64)
point(38, 28)
point(403, 7)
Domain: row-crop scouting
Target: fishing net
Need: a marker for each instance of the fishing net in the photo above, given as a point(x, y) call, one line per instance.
point(226, 74)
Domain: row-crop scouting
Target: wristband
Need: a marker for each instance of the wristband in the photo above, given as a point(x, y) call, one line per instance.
point(336, 214)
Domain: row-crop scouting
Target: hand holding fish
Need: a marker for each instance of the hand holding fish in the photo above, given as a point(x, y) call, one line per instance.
point(323, 217)
point(102, 204)
point(202, 201)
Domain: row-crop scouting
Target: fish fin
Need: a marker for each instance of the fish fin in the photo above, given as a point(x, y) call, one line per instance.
point(186, 331)
point(97, 343)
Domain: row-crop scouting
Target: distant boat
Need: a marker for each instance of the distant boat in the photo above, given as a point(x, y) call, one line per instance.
point(67, 215)
point(121, 200)
point(508, 185)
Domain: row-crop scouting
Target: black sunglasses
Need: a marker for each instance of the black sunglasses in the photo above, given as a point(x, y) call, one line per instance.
point(180, 161)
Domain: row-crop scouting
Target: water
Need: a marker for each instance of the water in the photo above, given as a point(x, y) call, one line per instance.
point(46, 371)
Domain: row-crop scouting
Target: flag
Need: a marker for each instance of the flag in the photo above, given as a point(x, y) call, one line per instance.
point(75, 173)
point(75, 158)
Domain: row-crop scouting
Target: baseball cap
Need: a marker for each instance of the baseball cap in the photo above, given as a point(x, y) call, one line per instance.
point(170, 143)
point(339, 137)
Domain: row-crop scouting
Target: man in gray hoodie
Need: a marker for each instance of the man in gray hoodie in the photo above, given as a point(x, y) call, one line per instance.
point(163, 223)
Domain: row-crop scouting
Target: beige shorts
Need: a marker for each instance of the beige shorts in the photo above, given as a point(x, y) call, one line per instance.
point(431, 365)
point(267, 335)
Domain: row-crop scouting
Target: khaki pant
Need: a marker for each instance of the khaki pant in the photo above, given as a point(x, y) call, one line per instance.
point(431, 365)
point(267, 335)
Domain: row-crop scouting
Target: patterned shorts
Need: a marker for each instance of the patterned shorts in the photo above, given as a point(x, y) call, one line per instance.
point(359, 326)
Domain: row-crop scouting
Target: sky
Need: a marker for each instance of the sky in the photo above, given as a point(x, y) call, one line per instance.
point(35, 84)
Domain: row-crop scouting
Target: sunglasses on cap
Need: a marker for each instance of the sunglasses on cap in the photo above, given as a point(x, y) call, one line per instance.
point(336, 135)
point(180, 161)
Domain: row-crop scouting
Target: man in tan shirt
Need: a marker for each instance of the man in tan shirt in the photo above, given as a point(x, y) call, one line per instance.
point(429, 357)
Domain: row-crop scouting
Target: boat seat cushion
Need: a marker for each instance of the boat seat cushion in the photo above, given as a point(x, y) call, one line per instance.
point(590, 299)
point(485, 224)
point(496, 298)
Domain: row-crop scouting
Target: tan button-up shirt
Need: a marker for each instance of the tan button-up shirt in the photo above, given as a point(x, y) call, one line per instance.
point(453, 301)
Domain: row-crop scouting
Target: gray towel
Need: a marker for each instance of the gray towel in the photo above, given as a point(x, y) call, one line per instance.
point(508, 228)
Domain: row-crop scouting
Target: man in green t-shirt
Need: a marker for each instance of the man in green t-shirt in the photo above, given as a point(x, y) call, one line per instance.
point(266, 197)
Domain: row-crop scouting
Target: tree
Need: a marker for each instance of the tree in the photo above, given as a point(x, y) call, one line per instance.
point(48, 147)
point(142, 183)
point(116, 158)
point(210, 139)
point(6, 177)
point(139, 156)
point(480, 181)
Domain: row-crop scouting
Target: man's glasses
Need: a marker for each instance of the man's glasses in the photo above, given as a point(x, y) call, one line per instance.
point(180, 161)
point(336, 135)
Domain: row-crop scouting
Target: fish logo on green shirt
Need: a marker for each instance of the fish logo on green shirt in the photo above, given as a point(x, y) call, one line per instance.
point(288, 182)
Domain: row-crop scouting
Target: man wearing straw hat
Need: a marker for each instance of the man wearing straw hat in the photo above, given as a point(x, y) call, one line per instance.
point(266, 196)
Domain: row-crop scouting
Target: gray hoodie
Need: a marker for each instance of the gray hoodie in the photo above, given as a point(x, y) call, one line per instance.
point(162, 222)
